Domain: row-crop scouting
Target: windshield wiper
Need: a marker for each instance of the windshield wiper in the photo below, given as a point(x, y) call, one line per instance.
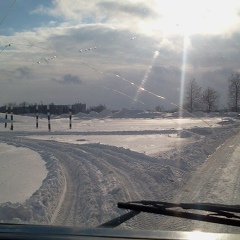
point(219, 213)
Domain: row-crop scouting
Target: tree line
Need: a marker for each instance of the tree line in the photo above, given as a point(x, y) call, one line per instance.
point(197, 99)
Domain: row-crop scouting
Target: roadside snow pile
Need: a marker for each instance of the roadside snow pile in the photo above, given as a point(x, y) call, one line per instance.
point(147, 114)
point(105, 113)
point(127, 113)
point(134, 113)
point(29, 114)
point(194, 154)
point(81, 115)
point(93, 114)
point(185, 114)
point(226, 121)
point(40, 207)
point(63, 115)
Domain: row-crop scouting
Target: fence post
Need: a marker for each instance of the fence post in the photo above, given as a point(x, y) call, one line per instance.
point(36, 116)
point(70, 116)
point(48, 113)
point(12, 118)
point(6, 116)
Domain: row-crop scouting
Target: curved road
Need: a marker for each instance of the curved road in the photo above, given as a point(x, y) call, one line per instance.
point(98, 176)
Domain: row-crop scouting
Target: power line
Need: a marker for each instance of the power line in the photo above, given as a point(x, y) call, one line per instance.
point(8, 12)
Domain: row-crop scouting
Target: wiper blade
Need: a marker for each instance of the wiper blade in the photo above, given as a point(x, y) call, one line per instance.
point(119, 220)
point(212, 207)
point(220, 213)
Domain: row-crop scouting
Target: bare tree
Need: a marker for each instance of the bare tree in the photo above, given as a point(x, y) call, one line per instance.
point(193, 96)
point(209, 99)
point(234, 91)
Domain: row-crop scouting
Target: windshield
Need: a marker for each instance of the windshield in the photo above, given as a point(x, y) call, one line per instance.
point(116, 101)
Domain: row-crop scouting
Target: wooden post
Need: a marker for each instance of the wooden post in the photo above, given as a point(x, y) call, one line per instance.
point(6, 116)
point(70, 116)
point(48, 113)
point(36, 116)
point(12, 118)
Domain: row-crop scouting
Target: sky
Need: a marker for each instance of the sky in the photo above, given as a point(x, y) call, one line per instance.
point(132, 54)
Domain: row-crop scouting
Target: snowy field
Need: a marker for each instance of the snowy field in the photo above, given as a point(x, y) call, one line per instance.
point(76, 176)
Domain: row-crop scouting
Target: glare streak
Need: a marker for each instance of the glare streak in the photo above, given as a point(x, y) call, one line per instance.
point(155, 55)
point(159, 96)
point(114, 90)
point(140, 88)
point(182, 86)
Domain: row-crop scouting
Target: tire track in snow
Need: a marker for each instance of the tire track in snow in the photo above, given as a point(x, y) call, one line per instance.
point(127, 186)
point(220, 184)
point(97, 177)
point(61, 199)
point(135, 187)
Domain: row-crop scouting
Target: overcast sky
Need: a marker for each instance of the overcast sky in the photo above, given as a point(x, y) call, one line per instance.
point(128, 53)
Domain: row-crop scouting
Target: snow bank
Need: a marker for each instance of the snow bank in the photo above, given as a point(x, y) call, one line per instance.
point(134, 113)
point(185, 114)
point(19, 183)
point(40, 207)
point(126, 113)
point(81, 115)
point(226, 121)
point(65, 115)
point(194, 154)
point(105, 113)
point(93, 114)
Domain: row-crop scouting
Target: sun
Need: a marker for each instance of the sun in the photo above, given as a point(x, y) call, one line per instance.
point(188, 17)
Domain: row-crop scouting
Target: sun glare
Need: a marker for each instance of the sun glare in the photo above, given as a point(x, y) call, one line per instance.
point(192, 17)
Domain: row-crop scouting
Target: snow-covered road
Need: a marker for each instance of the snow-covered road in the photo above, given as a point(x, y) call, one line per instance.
point(97, 177)
point(220, 184)
point(86, 180)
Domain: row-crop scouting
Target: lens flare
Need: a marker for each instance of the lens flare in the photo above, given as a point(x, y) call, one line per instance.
point(184, 62)
point(141, 86)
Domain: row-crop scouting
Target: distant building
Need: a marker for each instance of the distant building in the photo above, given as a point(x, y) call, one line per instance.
point(54, 109)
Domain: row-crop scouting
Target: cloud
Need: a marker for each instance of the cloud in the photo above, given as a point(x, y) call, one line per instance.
point(137, 9)
point(113, 13)
point(150, 17)
point(69, 79)
point(97, 10)
point(23, 72)
point(118, 29)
